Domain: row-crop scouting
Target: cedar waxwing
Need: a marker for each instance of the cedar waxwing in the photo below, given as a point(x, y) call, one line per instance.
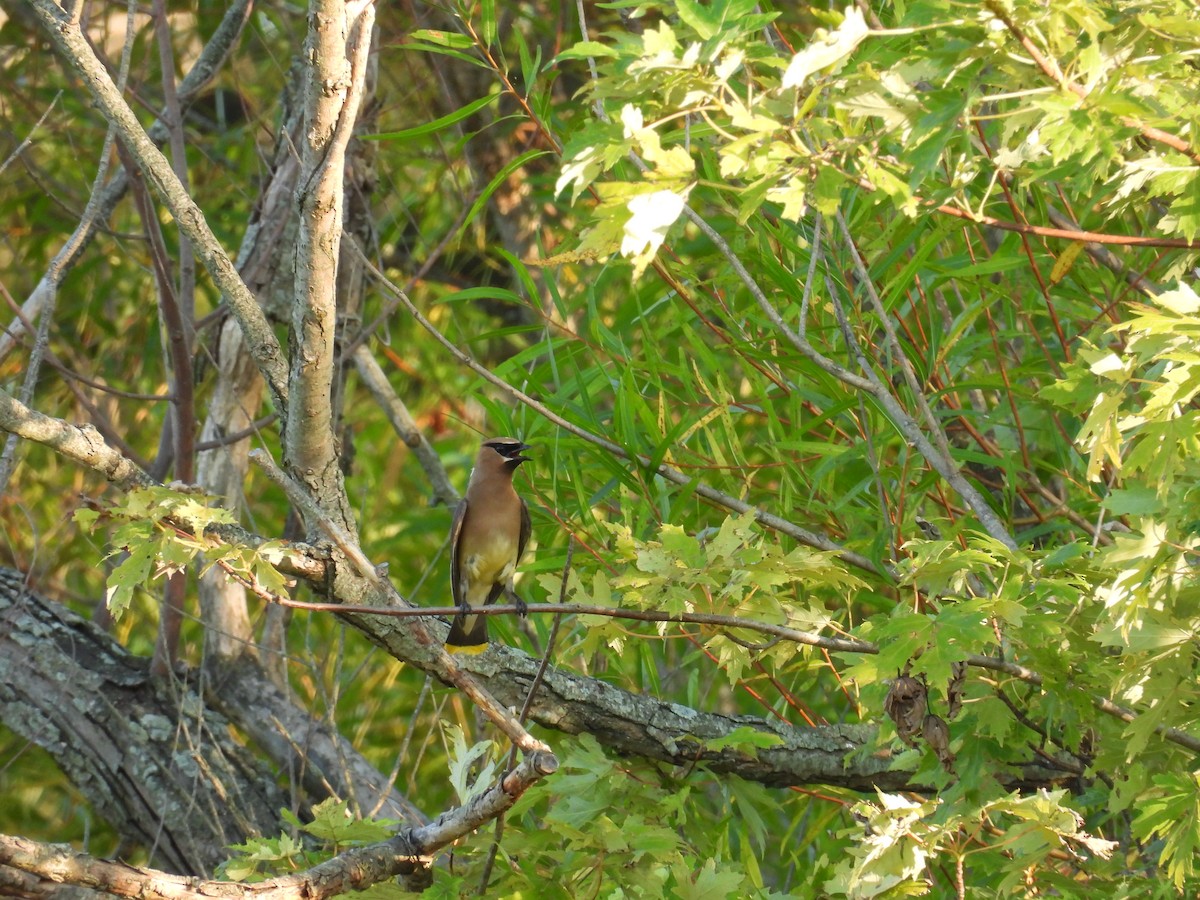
point(491, 528)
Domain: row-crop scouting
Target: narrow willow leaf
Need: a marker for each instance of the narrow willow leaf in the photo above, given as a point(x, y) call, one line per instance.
point(437, 124)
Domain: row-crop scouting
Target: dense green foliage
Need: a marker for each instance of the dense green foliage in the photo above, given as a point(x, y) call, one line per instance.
point(862, 303)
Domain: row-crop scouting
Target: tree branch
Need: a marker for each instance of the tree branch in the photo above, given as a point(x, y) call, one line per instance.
point(157, 765)
point(81, 443)
point(711, 494)
point(67, 36)
point(1071, 234)
point(409, 853)
point(332, 94)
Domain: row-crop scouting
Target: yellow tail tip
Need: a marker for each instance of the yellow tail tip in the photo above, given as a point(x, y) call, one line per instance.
point(469, 649)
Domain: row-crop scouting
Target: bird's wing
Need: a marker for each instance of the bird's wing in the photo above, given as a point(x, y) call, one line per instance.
point(460, 515)
point(526, 530)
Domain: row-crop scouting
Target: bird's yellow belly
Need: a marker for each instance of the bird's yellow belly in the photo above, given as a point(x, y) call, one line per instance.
point(492, 563)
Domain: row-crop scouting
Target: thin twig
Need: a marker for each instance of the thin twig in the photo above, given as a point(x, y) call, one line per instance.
point(1069, 234)
point(670, 473)
point(69, 39)
point(249, 431)
point(24, 145)
point(210, 60)
point(315, 516)
point(532, 692)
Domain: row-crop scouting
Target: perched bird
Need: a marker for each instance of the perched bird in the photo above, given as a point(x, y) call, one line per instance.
point(490, 531)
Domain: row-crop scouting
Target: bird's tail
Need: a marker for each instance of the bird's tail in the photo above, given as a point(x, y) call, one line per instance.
point(468, 634)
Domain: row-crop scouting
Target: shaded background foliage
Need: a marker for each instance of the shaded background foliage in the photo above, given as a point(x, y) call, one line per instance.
point(931, 140)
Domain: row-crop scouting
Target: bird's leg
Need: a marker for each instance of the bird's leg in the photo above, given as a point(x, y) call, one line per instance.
point(464, 608)
point(521, 605)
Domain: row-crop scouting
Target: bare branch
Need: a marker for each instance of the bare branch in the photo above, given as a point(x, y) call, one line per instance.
point(333, 93)
point(209, 61)
point(81, 443)
point(69, 39)
point(1071, 234)
point(311, 750)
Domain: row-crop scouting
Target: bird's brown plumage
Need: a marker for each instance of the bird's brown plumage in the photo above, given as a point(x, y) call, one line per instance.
point(491, 528)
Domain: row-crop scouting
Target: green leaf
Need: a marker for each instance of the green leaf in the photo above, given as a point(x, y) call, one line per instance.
point(87, 518)
point(709, 883)
point(451, 39)
point(463, 759)
point(487, 12)
point(443, 50)
point(129, 574)
point(333, 822)
point(744, 736)
point(1183, 217)
point(650, 215)
point(704, 20)
point(1135, 500)
point(437, 124)
point(586, 50)
point(827, 190)
point(1172, 813)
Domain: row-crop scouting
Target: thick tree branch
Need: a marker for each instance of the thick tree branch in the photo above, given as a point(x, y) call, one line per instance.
point(409, 853)
point(162, 769)
point(333, 92)
point(84, 445)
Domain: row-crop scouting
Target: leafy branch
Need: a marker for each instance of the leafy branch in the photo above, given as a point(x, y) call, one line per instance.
point(409, 854)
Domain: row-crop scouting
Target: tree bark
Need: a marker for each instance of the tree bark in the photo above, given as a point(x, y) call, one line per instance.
point(153, 760)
